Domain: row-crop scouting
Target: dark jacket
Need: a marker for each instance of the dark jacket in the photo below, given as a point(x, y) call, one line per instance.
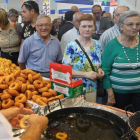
point(67, 26)
point(104, 25)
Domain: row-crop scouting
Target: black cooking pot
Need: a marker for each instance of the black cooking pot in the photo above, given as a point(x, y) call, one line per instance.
point(82, 123)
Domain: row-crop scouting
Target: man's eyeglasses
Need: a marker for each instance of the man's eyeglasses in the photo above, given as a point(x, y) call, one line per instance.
point(97, 13)
point(130, 25)
point(44, 25)
point(28, 4)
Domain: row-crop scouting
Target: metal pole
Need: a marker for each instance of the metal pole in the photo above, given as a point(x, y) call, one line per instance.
point(135, 3)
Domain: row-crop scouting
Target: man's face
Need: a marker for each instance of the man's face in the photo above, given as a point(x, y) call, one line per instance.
point(76, 21)
point(118, 13)
point(97, 12)
point(26, 14)
point(14, 18)
point(43, 27)
point(58, 22)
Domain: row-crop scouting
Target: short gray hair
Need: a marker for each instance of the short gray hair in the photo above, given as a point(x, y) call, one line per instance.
point(76, 13)
point(42, 16)
point(128, 14)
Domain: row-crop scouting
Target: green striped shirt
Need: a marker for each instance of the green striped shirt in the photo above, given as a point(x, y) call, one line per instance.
point(119, 75)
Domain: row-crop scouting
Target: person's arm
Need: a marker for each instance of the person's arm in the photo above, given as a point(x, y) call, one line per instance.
point(38, 124)
point(24, 53)
point(107, 61)
point(22, 66)
point(80, 74)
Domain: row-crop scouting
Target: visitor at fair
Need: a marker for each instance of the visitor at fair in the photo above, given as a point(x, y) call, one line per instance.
point(75, 57)
point(41, 48)
point(121, 64)
point(9, 38)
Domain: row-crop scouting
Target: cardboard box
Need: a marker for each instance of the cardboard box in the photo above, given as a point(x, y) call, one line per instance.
point(61, 80)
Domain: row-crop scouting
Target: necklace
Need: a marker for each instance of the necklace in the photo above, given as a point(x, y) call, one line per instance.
point(137, 49)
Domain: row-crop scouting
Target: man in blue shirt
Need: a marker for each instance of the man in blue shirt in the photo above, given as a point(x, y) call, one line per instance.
point(40, 49)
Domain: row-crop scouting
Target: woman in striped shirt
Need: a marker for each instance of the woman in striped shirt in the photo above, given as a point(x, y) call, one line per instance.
point(121, 64)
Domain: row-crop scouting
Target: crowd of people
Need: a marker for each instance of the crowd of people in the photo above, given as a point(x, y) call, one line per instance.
point(112, 43)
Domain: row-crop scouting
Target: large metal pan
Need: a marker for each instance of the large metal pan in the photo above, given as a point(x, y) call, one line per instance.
point(82, 123)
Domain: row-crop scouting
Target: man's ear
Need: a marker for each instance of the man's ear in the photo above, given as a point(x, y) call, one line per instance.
point(32, 11)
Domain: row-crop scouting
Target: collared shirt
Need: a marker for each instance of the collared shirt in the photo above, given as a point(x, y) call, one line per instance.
point(37, 55)
point(97, 25)
point(9, 40)
point(109, 35)
point(69, 36)
point(6, 129)
point(27, 31)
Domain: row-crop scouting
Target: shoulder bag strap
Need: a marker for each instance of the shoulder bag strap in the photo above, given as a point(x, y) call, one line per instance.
point(17, 31)
point(85, 54)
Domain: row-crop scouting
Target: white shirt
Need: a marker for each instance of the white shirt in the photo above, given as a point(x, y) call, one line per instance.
point(6, 129)
point(69, 36)
point(109, 35)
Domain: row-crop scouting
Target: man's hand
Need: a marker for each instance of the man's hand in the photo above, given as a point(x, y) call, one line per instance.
point(13, 115)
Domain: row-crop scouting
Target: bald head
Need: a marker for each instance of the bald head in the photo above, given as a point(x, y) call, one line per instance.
point(74, 8)
point(117, 13)
point(76, 19)
point(107, 15)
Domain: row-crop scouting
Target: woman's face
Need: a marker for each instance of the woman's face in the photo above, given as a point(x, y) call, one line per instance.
point(131, 26)
point(86, 28)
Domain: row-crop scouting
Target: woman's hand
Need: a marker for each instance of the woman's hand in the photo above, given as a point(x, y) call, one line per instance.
point(91, 75)
point(111, 100)
point(100, 73)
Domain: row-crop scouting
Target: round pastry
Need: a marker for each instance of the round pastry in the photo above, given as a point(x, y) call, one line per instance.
point(28, 94)
point(23, 76)
point(21, 98)
point(138, 130)
point(17, 104)
point(5, 91)
point(23, 88)
point(49, 86)
point(37, 76)
point(21, 79)
point(23, 121)
point(44, 99)
point(34, 93)
point(3, 86)
point(38, 84)
point(16, 73)
point(14, 86)
point(35, 97)
point(53, 92)
point(7, 103)
point(30, 78)
point(6, 96)
point(44, 89)
point(30, 87)
point(61, 136)
point(40, 102)
point(13, 92)
point(9, 79)
point(47, 94)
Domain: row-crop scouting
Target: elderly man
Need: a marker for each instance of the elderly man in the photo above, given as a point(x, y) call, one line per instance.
point(113, 31)
point(102, 23)
point(13, 15)
point(74, 8)
point(73, 33)
point(40, 49)
point(108, 16)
